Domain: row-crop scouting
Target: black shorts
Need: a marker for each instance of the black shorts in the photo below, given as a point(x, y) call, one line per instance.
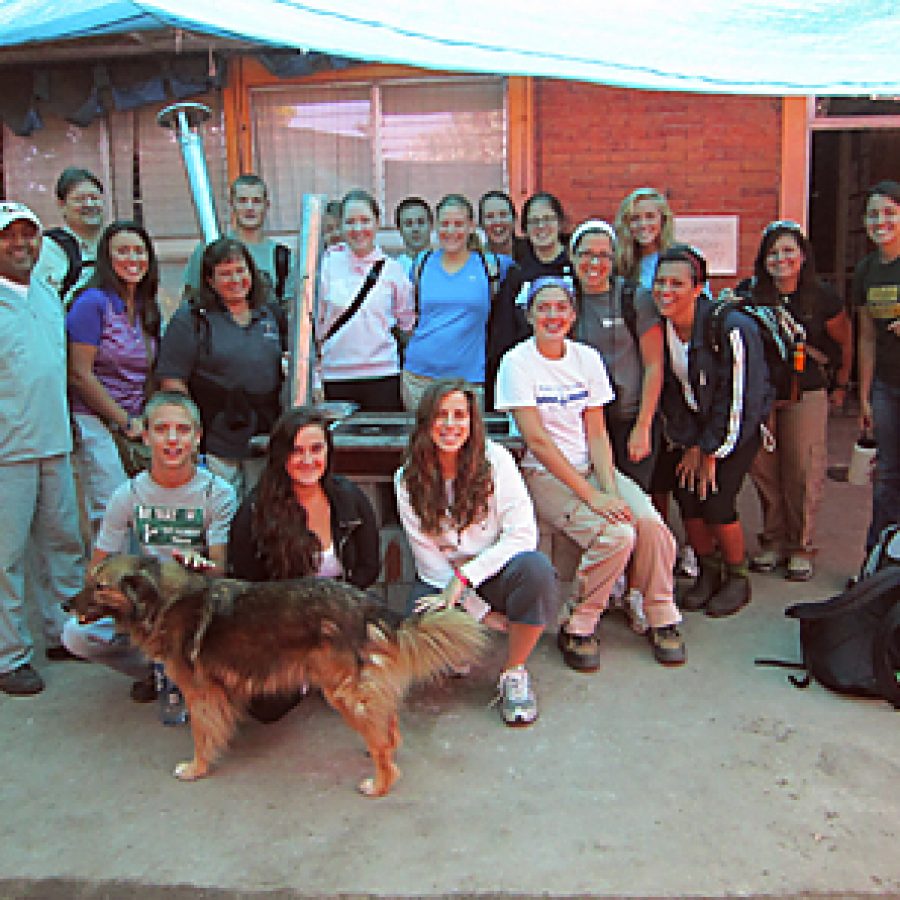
point(719, 508)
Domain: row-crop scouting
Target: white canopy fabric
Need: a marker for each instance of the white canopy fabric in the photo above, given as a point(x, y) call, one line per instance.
point(774, 47)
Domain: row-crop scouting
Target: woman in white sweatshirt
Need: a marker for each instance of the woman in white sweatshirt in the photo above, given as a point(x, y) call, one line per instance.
point(471, 526)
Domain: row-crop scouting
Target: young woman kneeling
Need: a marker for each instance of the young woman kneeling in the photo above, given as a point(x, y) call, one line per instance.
point(470, 523)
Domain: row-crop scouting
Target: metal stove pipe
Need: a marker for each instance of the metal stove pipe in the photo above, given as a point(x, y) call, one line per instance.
point(182, 118)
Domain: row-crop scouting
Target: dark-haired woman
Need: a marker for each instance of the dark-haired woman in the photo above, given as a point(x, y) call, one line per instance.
point(113, 329)
point(790, 478)
point(470, 523)
point(544, 253)
point(302, 520)
point(497, 218)
point(356, 324)
point(224, 348)
point(876, 294)
point(713, 405)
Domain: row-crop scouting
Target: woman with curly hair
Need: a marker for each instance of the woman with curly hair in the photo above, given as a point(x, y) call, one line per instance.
point(113, 329)
point(645, 227)
point(302, 520)
point(470, 523)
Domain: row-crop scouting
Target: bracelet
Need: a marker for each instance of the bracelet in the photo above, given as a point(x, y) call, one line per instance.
point(461, 578)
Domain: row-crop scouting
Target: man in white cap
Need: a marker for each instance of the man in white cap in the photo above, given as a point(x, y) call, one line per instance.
point(37, 491)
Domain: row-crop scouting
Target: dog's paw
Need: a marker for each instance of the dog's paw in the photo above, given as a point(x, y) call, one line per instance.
point(189, 771)
point(367, 787)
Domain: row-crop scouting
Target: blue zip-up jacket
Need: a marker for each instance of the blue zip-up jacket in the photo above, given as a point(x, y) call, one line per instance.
point(731, 388)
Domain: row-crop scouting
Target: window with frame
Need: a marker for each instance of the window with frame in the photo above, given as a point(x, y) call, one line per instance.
point(142, 172)
point(394, 138)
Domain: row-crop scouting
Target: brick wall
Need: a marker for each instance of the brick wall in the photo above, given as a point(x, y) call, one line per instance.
point(710, 154)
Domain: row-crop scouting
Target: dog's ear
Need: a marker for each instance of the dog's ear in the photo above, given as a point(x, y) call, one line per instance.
point(142, 591)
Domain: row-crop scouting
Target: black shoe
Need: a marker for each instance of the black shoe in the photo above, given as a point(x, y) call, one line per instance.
point(668, 645)
point(733, 596)
point(21, 682)
point(144, 690)
point(709, 581)
point(62, 654)
point(580, 652)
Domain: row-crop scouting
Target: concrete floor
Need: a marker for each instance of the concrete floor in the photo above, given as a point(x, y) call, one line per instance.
point(716, 779)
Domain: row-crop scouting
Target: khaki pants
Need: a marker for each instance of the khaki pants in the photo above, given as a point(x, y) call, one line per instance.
point(607, 548)
point(790, 480)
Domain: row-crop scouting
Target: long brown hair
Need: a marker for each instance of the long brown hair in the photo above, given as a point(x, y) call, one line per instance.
point(284, 541)
point(474, 483)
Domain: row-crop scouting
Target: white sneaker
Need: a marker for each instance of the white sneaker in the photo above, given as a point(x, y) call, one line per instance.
point(634, 610)
point(687, 565)
point(518, 705)
point(617, 594)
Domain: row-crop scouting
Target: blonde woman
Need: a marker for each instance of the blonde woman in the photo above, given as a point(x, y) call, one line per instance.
point(645, 227)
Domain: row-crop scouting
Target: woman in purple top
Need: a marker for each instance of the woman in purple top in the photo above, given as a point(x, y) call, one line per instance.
point(113, 331)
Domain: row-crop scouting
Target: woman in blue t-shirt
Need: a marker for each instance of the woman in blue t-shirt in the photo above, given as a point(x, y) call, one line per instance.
point(453, 302)
point(113, 329)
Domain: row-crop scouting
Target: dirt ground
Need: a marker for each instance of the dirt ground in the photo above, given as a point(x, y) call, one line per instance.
point(715, 779)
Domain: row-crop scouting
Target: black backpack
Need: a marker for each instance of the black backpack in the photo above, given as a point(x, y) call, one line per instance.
point(851, 642)
point(73, 255)
point(783, 340)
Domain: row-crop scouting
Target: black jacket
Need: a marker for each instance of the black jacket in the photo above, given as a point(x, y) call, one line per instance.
point(732, 389)
point(353, 531)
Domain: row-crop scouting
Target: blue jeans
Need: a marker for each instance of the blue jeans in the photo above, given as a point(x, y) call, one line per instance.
point(40, 515)
point(886, 490)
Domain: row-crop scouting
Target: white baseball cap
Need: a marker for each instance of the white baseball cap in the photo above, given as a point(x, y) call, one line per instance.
point(12, 212)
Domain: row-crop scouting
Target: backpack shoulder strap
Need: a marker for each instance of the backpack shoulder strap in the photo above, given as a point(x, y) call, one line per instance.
point(627, 292)
point(492, 272)
point(282, 267)
point(73, 255)
point(417, 279)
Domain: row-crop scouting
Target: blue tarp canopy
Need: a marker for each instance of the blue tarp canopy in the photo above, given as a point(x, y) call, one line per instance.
point(775, 47)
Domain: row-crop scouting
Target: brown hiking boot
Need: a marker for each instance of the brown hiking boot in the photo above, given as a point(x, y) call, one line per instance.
point(580, 652)
point(732, 597)
point(668, 645)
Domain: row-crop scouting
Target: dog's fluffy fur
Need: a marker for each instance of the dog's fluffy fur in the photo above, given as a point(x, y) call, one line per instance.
point(224, 641)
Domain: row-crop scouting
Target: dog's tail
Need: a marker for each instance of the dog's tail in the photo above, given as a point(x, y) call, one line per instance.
point(426, 646)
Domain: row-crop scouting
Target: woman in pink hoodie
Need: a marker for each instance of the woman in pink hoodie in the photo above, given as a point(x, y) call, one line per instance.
point(365, 298)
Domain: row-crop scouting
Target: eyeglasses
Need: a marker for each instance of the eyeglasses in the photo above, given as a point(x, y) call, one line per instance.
point(882, 215)
point(538, 221)
point(586, 255)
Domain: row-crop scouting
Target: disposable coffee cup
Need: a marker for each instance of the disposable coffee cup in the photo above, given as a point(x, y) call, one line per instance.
point(862, 461)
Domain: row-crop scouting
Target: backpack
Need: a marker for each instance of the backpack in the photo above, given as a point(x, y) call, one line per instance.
point(885, 553)
point(851, 642)
point(73, 255)
point(783, 340)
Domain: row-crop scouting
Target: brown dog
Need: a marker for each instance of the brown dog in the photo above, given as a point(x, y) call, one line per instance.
point(224, 641)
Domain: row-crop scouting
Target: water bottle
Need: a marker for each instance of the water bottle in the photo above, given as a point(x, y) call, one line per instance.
point(172, 708)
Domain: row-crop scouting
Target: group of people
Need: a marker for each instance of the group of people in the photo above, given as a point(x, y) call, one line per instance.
point(595, 341)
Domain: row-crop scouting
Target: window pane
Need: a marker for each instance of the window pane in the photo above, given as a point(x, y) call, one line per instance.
point(32, 164)
point(314, 139)
point(441, 137)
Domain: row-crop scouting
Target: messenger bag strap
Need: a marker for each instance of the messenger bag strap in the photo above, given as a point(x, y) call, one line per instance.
point(351, 310)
